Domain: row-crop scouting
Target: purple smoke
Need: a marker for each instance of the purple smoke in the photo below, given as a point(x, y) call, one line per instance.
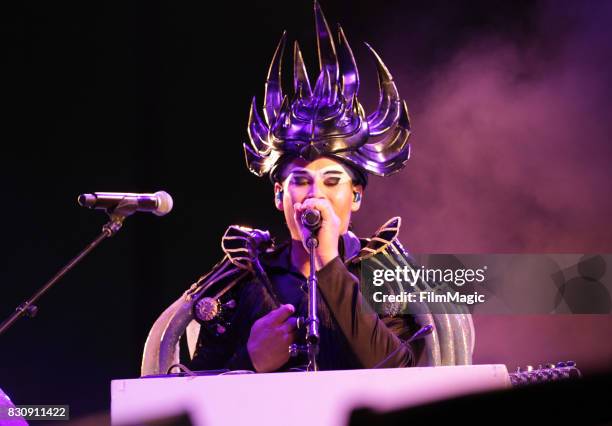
point(511, 153)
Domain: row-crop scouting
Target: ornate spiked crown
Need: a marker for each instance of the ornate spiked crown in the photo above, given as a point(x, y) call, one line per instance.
point(329, 120)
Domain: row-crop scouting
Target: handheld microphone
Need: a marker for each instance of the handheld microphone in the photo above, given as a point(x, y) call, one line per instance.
point(311, 219)
point(159, 203)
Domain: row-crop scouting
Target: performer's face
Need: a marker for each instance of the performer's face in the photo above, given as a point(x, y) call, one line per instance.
point(323, 178)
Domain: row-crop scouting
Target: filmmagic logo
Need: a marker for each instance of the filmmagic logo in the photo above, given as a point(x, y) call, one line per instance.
point(428, 297)
point(411, 276)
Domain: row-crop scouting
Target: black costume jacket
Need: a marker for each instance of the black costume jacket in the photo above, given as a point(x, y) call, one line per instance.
point(352, 335)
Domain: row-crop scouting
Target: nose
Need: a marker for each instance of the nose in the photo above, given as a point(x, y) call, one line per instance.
point(316, 189)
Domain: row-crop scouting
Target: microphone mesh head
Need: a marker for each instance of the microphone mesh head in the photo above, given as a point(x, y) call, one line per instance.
point(164, 203)
point(311, 218)
point(87, 200)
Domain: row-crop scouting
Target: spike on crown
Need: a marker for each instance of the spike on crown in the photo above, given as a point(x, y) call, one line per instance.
point(328, 120)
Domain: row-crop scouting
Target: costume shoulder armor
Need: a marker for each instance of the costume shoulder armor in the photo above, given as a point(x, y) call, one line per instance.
point(242, 247)
point(384, 239)
point(209, 301)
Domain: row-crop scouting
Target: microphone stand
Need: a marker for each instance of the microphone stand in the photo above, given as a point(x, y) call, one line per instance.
point(312, 322)
point(117, 215)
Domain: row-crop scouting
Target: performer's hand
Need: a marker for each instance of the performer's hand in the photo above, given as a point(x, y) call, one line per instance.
point(328, 234)
point(270, 337)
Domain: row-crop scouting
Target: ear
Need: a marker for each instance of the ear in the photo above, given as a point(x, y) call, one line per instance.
point(278, 196)
point(357, 199)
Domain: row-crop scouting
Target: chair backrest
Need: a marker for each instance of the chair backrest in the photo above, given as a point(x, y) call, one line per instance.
point(155, 341)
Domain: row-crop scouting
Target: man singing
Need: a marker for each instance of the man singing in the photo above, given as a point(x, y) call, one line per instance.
point(317, 146)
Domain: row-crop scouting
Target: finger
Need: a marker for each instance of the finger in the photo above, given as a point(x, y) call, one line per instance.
point(290, 325)
point(297, 215)
point(309, 203)
point(322, 205)
point(280, 315)
point(304, 232)
point(298, 209)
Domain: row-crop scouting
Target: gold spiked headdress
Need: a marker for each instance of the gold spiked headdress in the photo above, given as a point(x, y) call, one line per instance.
point(329, 120)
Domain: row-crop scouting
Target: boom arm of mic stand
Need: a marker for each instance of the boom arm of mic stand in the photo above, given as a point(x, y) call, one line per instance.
point(124, 209)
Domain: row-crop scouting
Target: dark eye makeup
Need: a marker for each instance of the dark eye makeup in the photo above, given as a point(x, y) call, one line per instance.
point(332, 181)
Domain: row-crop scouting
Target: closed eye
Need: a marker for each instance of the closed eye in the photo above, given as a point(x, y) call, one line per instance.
point(332, 181)
point(299, 180)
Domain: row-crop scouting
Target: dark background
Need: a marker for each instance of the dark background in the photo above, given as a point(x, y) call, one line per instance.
point(511, 149)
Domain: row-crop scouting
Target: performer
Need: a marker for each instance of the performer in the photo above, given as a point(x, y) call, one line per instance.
point(317, 147)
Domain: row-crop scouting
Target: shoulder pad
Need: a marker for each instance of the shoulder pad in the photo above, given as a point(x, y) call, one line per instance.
point(243, 245)
point(384, 237)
